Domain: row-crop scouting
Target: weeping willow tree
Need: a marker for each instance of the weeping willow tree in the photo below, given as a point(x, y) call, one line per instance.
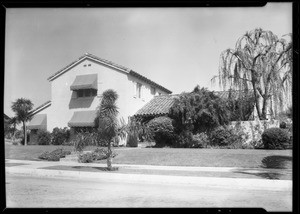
point(260, 62)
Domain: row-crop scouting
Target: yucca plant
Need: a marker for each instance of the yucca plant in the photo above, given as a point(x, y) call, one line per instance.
point(109, 127)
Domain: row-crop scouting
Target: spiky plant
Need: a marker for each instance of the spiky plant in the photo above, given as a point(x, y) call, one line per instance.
point(108, 122)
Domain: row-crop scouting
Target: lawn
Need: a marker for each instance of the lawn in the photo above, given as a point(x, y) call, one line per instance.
point(175, 156)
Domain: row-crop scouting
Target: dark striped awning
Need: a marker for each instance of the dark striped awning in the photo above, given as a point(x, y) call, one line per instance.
point(39, 121)
point(88, 81)
point(83, 119)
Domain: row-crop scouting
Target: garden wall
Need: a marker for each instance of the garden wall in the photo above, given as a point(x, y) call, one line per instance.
point(253, 129)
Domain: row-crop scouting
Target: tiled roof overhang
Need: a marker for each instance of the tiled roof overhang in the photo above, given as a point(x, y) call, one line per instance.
point(158, 105)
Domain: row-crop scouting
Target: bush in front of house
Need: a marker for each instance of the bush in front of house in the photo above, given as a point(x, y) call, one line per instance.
point(55, 155)
point(275, 138)
point(43, 137)
point(199, 140)
point(60, 136)
point(225, 137)
point(161, 130)
point(220, 136)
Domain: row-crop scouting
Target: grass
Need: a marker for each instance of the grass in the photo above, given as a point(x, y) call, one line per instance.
point(174, 156)
point(203, 157)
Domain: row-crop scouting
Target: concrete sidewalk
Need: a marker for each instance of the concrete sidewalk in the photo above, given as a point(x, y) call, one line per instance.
point(37, 168)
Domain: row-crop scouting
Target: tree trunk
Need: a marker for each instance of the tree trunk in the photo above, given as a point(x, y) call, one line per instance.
point(264, 108)
point(25, 134)
point(109, 158)
point(257, 103)
point(14, 134)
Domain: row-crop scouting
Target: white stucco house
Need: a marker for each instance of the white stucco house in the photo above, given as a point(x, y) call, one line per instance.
point(76, 92)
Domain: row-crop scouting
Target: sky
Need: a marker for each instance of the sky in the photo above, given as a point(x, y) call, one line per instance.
point(177, 48)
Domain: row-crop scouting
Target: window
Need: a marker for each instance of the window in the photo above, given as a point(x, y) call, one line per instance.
point(86, 93)
point(80, 93)
point(138, 90)
point(153, 90)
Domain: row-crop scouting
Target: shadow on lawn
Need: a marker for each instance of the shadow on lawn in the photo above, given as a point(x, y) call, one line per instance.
point(277, 162)
point(274, 162)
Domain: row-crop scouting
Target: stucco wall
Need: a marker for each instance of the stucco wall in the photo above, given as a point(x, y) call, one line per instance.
point(253, 129)
point(63, 106)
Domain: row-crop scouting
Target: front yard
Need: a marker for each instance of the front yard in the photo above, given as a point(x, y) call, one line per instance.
point(174, 156)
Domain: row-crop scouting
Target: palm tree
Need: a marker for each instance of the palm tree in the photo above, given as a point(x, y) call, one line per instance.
point(260, 62)
point(108, 123)
point(22, 108)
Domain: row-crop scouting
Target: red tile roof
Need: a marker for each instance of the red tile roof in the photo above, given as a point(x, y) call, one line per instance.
point(159, 105)
point(108, 63)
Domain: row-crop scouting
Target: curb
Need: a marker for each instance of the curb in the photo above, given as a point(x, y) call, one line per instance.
point(230, 183)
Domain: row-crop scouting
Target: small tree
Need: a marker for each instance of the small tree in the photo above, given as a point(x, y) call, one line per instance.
point(22, 108)
point(108, 122)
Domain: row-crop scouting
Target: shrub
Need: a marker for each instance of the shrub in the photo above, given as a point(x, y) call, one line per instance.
point(199, 141)
point(275, 138)
point(19, 134)
point(60, 136)
point(55, 155)
point(132, 139)
point(43, 137)
point(96, 155)
point(282, 125)
point(220, 136)
point(161, 130)
point(226, 137)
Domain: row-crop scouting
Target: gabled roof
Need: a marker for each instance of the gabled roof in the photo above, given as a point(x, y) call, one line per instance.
point(159, 105)
point(40, 108)
point(107, 63)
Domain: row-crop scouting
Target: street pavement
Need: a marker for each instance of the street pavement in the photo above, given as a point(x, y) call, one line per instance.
point(33, 184)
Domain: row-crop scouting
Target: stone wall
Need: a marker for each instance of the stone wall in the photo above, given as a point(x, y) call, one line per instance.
point(253, 129)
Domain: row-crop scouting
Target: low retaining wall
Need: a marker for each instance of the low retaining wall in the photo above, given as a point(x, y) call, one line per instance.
point(253, 129)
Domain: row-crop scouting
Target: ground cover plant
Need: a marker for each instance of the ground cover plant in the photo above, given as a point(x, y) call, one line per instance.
point(54, 155)
point(96, 155)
